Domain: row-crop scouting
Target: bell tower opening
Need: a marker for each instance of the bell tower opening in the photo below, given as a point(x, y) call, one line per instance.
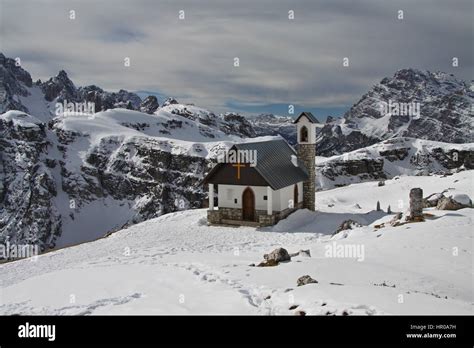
point(304, 134)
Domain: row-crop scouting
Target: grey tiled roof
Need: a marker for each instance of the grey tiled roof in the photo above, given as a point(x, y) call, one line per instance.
point(274, 163)
point(309, 115)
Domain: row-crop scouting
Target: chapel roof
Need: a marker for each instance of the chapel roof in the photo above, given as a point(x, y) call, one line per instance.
point(274, 163)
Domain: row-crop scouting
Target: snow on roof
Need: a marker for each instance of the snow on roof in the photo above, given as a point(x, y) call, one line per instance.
point(309, 116)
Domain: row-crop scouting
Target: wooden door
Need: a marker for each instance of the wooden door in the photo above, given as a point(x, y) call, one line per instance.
point(248, 205)
point(295, 196)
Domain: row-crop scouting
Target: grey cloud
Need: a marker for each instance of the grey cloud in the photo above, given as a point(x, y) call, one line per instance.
point(281, 60)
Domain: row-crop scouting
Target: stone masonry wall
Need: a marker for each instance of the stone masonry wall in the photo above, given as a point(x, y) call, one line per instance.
point(261, 216)
point(307, 153)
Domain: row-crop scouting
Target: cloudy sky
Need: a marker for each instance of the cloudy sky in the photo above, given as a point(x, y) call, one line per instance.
point(282, 61)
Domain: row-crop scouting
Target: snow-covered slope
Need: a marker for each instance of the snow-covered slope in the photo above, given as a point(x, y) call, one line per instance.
point(79, 176)
point(176, 264)
point(70, 177)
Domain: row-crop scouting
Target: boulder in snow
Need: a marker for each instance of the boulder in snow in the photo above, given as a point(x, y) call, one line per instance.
point(455, 202)
point(268, 263)
point(306, 279)
point(278, 255)
point(396, 220)
point(432, 200)
point(347, 225)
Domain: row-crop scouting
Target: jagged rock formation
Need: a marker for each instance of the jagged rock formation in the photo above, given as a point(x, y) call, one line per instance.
point(27, 184)
point(46, 184)
point(14, 84)
point(391, 158)
point(237, 124)
point(269, 124)
point(60, 87)
point(149, 105)
point(170, 101)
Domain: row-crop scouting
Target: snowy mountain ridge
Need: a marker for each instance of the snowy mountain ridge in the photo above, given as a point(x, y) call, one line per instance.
point(392, 158)
point(41, 98)
point(74, 177)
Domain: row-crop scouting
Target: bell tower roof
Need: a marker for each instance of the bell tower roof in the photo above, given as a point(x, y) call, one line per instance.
point(309, 116)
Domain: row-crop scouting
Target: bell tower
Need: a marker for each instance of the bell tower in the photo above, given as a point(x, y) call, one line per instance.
point(306, 138)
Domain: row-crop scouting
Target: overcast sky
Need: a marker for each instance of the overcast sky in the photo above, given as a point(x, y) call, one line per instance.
point(282, 61)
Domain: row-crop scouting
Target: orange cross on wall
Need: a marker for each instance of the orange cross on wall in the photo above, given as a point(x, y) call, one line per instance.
point(238, 166)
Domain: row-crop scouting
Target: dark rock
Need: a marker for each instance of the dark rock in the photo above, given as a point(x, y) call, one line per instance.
point(14, 82)
point(149, 105)
point(268, 263)
point(347, 225)
point(432, 200)
point(448, 203)
point(365, 169)
point(237, 124)
point(170, 101)
point(278, 255)
point(306, 279)
point(60, 87)
point(398, 154)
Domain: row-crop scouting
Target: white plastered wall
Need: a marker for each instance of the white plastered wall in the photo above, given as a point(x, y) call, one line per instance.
point(280, 198)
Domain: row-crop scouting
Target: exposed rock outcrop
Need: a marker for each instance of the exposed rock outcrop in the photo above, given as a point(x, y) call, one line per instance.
point(149, 105)
point(275, 257)
point(15, 82)
point(347, 225)
point(455, 202)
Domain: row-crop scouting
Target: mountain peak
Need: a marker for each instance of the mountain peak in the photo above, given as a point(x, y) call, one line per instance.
point(62, 73)
point(439, 104)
